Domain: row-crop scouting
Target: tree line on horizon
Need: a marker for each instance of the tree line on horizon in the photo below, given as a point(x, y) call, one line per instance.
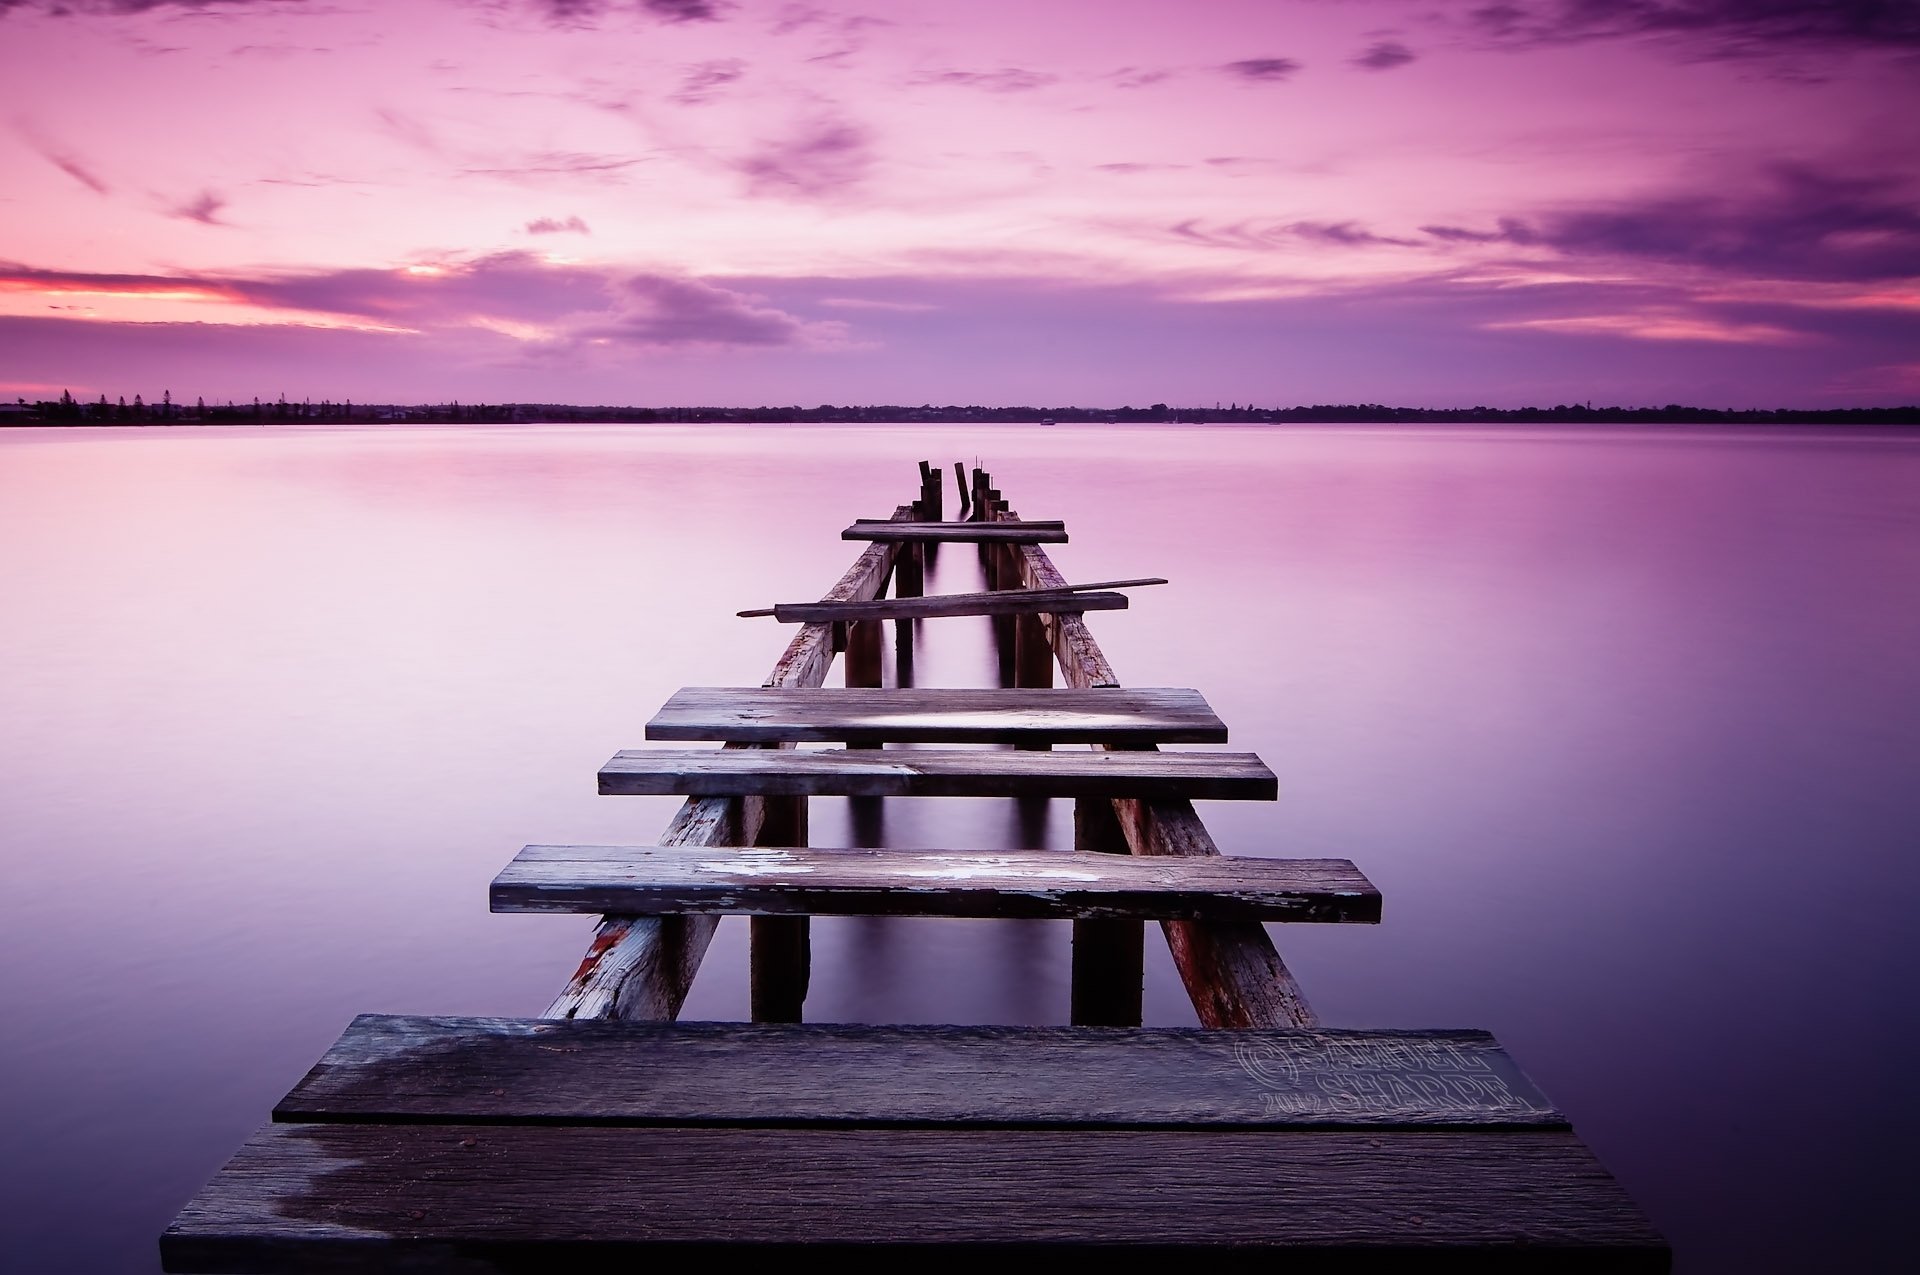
point(69, 410)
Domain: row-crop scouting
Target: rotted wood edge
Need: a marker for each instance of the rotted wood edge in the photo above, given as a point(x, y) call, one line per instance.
point(1232, 972)
point(638, 968)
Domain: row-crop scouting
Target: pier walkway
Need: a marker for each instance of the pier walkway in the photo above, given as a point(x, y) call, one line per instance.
point(606, 1130)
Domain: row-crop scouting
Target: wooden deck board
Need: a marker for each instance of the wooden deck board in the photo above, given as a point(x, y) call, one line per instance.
point(924, 715)
point(776, 881)
point(928, 773)
point(425, 1197)
point(507, 1070)
point(958, 532)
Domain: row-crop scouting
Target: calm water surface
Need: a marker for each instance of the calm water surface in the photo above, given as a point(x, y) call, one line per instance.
point(1625, 725)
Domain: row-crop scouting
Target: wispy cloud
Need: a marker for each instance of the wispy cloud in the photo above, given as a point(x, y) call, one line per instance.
point(1384, 55)
point(514, 293)
point(203, 208)
point(1800, 223)
point(819, 159)
point(1707, 28)
point(1245, 236)
point(1263, 70)
point(1138, 77)
point(557, 226)
point(1010, 79)
point(702, 82)
point(60, 156)
point(587, 13)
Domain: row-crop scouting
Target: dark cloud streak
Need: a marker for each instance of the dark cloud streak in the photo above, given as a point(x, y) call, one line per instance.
point(1387, 55)
point(1263, 70)
point(1803, 224)
point(1709, 28)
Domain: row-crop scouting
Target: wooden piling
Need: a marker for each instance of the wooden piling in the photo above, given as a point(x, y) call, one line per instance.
point(1108, 954)
point(780, 947)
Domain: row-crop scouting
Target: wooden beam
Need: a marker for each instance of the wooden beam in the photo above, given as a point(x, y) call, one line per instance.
point(718, 772)
point(640, 967)
point(782, 880)
point(937, 715)
point(511, 1070)
point(954, 533)
point(1233, 974)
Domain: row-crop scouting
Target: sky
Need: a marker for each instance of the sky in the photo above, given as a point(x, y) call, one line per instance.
point(1277, 202)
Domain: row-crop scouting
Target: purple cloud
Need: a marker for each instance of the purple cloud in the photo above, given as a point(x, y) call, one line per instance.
point(1138, 77)
point(203, 208)
point(1385, 55)
point(555, 226)
point(1710, 28)
point(583, 13)
point(59, 156)
point(660, 310)
point(703, 81)
point(1264, 70)
point(1248, 236)
point(1802, 224)
point(1006, 80)
point(518, 293)
point(818, 160)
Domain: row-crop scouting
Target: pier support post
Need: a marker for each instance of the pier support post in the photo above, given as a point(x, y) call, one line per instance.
point(780, 948)
point(864, 643)
point(1108, 955)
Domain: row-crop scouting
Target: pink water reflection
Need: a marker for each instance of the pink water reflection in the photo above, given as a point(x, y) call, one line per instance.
point(1624, 726)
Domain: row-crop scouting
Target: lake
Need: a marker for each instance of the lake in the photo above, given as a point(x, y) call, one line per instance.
point(1625, 725)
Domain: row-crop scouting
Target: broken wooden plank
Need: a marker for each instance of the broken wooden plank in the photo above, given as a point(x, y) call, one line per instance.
point(955, 533)
point(998, 602)
point(796, 881)
point(710, 772)
point(940, 606)
point(466, 1197)
point(937, 715)
point(510, 1070)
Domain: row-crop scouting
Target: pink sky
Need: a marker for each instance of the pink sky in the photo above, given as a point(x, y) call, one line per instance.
point(1128, 201)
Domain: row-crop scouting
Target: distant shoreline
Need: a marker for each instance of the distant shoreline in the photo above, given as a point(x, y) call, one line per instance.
point(69, 412)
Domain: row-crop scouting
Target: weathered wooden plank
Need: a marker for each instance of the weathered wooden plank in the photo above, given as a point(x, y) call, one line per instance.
point(510, 1070)
point(941, 606)
point(491, 1197)
point(837, 772)
point(780, 881)
point(955, 533)
point(938, 715)
point(1233, 974)
point(640, 967)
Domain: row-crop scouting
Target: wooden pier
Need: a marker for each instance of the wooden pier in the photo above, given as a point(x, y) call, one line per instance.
point(608, 1130)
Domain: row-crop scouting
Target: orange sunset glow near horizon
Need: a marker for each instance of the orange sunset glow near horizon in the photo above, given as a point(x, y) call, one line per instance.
point(1713, 202)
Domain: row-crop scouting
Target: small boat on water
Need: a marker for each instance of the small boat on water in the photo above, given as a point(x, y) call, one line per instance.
point(1048, 421)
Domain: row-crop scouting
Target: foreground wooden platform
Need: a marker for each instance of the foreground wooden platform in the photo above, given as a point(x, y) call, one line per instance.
point(796, 881)
point(835, 772)
point(466, 1145)
point(915, 715)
